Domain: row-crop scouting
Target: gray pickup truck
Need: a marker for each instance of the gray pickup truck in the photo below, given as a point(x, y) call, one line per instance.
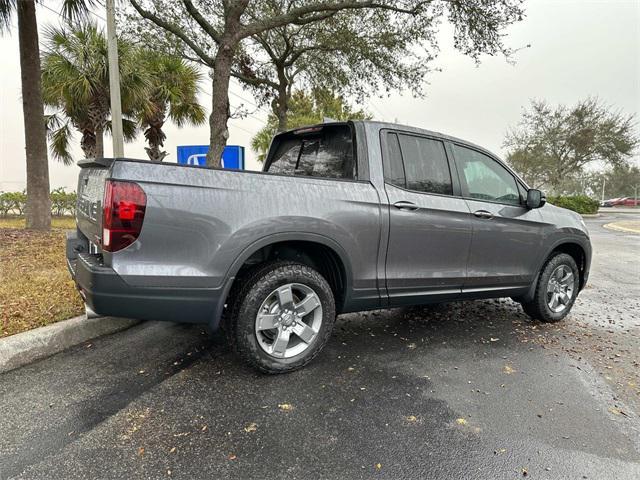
point(344, 217)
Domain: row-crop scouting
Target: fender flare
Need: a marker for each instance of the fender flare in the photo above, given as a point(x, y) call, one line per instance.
point(235, 266)
point(527, 297)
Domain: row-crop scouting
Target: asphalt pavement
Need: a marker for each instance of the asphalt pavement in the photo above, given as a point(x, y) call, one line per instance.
point(467, 390)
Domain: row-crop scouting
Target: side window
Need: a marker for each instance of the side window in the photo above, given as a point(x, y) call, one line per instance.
point(426, 166)
point(486, 179)
point(392, 162)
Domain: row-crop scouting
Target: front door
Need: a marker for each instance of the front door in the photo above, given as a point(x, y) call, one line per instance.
point(507, 236)
point(429, 230)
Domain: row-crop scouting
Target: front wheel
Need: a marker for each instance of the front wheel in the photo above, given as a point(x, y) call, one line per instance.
point(281, 317)
point(556, 291)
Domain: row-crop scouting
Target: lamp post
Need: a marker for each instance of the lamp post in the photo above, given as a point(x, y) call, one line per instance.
point(114, 81)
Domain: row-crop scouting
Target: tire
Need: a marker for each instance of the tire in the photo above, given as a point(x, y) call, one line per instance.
point(292, 298)
point(559, 276)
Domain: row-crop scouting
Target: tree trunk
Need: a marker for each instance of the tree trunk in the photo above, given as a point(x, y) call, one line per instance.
point(219, 133)
point(282, 101)
point(88, 144)
point(38, 210)
point(154, 153)
point(99, 143)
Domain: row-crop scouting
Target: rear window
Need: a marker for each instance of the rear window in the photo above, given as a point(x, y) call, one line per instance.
point(326, 152)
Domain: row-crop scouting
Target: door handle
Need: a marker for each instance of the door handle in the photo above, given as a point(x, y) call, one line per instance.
point(483, 214)
point(405, 206)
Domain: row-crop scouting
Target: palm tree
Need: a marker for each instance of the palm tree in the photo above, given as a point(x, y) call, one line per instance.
point(38, 209)
point(75, 81)
point(173, 95)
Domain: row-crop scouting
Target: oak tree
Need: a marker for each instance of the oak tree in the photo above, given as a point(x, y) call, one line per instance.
point(219, 33)
point(554, 144)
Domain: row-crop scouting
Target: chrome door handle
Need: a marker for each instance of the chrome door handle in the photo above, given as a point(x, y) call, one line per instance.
point(405, 206)
point(483, 214)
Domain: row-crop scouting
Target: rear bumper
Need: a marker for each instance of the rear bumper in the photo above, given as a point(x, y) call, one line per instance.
point(106, 293)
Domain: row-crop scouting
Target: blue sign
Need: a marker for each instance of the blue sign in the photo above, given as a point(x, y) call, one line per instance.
point(232, 156)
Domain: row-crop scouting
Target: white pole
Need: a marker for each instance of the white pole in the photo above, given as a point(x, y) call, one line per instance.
point(604, 180)
point(114, 81)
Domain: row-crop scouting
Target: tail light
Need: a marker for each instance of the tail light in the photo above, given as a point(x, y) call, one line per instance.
point(123, 210)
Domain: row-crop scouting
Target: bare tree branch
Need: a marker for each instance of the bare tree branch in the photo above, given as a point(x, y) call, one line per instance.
point(197, 16)
point(318, 11)
point(175, 30)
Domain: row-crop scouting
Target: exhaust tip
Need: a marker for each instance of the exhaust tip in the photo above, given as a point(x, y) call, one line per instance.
point(89, 312)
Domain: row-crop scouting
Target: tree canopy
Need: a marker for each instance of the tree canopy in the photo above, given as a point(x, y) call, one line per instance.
point(551, 146)
point(219, 34)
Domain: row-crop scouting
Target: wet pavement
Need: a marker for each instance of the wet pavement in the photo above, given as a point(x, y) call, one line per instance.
point(466, 390)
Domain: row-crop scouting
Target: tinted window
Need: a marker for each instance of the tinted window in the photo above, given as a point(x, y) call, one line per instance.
point(325, 153)
point(425, 165)
point(393, 169)
point(486, 179)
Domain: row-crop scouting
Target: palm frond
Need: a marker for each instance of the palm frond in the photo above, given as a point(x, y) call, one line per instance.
point(60, 137)
point(129, 129)
point(7, 7)
point(74, 10)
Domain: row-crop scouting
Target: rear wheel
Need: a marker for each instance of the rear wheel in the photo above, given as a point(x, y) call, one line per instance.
point(281, 317)
point(556, 290)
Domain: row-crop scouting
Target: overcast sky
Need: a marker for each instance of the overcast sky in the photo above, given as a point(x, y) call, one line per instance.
point(578, 48)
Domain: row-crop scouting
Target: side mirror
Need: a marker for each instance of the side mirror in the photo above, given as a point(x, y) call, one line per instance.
point(535, 198)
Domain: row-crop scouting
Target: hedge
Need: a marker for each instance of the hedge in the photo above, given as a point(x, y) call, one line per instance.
point(578, 203)
point(62, 203)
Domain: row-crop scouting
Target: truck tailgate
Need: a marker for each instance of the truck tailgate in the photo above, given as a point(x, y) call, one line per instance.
point(91, 183)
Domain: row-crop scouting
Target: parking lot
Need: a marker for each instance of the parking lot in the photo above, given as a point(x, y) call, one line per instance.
point(465, 390)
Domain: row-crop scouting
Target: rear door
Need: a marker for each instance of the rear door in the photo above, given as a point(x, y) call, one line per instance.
point(429, 231)
point(507, 236)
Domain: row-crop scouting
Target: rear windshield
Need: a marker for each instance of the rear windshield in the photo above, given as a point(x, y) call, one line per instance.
point(326, 152)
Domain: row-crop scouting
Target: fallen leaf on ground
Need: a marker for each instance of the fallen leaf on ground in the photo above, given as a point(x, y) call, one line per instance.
point(617, 411)
point(378, 466)
point(252, 427)
point(461, 421)
point(508, 369)
point(412, 418)
point(172, 450)
point(285, 407)
point(232, 457)
point(141, 451)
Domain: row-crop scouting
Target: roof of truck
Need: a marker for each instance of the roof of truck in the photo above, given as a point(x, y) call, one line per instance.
point(405, 128)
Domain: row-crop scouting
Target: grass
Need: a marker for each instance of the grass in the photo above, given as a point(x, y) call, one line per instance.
point(35, 288)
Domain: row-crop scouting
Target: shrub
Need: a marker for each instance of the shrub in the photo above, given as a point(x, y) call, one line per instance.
point(63, 203)
point(12, 202)
point(578, 203)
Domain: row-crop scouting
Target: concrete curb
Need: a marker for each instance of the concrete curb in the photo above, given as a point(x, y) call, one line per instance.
point(621, 228)
point(23, 348)
point(623, 210)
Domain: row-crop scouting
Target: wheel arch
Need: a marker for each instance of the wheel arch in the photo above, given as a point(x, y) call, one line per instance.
point(317, 251)
point(572, 247)
point(579, 255)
